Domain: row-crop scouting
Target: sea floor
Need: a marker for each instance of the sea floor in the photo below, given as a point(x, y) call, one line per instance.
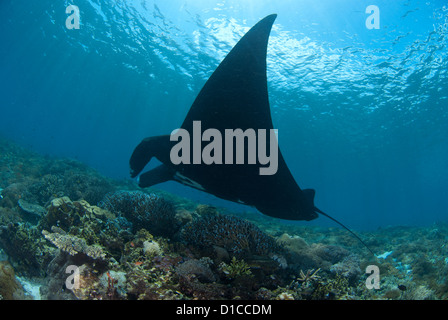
point(66, 232)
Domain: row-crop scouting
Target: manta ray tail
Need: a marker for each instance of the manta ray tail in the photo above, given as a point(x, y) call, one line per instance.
point(339, 223)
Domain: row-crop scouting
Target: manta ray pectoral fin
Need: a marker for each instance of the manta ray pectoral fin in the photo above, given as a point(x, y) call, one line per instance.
point(309, 195)
point(154, 176)
point(158, 147)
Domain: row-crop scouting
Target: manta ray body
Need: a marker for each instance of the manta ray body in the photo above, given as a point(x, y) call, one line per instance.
point(234, 97)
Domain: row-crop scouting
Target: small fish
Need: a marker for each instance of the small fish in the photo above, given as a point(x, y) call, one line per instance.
point(138, 263)
point(402, 287)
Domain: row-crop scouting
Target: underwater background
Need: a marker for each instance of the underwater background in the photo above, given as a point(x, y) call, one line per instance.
point(361, 112)
point(362, 115)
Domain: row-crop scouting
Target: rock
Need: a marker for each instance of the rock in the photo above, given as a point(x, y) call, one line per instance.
point(10, 288)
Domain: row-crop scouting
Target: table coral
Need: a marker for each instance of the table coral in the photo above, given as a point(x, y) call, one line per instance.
point(72, 244)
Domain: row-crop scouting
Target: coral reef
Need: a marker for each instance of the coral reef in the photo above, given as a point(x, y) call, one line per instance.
point(349, 268)
point(10, 288)
point(143, 210)
point(72, 244)
point(60, 281)
point(26, 248)
point(236, 269)
point(151, 248)
point(309, 276)
point(197, 269)
point(62, 213)
point(197, 280)
point(237, 236)
point(33, 211)
point(82, 236)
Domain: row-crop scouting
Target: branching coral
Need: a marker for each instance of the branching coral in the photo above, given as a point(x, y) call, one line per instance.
point(330, 289)
point(239, 237)
point(236, 268)
point(66, 177)
point(311, 275)
point(147, 211)
point(86, 185)
point(47, 187)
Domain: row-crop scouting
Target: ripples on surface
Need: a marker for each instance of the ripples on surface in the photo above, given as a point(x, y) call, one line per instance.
point(347, 82)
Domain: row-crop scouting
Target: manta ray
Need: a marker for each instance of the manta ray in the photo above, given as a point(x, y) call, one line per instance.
point(234, 97)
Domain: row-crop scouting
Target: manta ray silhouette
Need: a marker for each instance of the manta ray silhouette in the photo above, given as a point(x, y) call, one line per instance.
point(235, 96)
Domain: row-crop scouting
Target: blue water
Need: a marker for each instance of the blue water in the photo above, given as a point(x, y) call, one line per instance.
point(362, 113)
